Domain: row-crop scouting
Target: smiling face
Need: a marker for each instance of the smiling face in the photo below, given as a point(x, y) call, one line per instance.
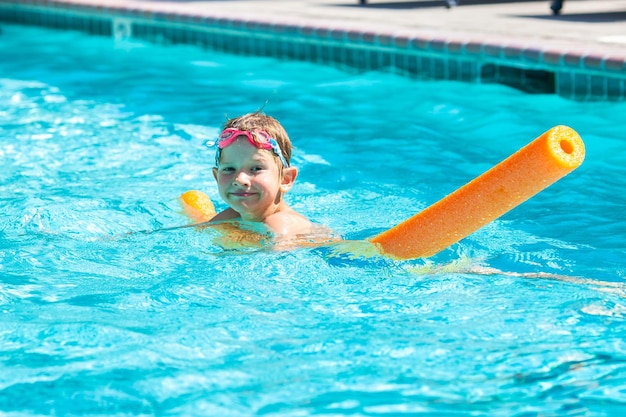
point(250, 181)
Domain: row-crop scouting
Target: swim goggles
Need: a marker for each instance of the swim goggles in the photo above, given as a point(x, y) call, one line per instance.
point(259, 139)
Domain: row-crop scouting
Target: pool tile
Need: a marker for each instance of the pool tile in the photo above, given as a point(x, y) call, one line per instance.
point(615, 64)
point(473, 48)
point(385, 40)
point(420, 43)
point(572, 60)
point(513, 52)
point(593, 62)
point(553, 58)
point(402, 42)
point(438, 45)
point(455, 47)
point(597, 87)
point(492, 50)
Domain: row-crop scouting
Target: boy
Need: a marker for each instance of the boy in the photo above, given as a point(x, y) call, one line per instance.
point(253, 173)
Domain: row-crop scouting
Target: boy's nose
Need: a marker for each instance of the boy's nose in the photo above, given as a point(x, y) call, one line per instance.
point(241, 179)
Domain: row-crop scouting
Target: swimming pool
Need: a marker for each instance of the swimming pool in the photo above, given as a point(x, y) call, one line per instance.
point(98, 140)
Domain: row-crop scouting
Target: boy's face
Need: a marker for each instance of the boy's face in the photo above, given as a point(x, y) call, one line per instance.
point(249, 180)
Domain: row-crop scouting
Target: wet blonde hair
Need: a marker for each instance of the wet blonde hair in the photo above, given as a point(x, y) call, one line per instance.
point(252, 122)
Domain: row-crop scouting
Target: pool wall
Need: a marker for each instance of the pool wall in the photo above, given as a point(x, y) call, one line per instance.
point(576, 76)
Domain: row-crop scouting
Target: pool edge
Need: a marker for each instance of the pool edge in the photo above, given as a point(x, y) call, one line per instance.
point(569, 72)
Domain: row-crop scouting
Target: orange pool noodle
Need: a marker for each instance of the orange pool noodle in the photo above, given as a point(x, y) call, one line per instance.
point(539, 164)
point(198, 206)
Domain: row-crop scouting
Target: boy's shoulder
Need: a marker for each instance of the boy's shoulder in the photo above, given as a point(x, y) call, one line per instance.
point(228, 214)
point(288, 222)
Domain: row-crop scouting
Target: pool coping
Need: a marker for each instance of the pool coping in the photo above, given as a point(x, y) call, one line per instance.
point(572, 73)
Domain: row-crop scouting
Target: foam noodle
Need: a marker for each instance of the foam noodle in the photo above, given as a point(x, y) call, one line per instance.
point(198, 206)
point(542, 162)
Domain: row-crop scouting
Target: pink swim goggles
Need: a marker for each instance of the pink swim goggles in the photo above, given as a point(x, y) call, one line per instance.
point(259, 139)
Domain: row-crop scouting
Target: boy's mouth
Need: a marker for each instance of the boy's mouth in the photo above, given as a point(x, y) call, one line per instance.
point(241, 194)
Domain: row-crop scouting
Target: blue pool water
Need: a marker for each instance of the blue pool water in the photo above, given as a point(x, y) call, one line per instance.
point(526, 317)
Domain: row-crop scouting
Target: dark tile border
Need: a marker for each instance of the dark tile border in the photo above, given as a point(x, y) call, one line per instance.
point(571, 74)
